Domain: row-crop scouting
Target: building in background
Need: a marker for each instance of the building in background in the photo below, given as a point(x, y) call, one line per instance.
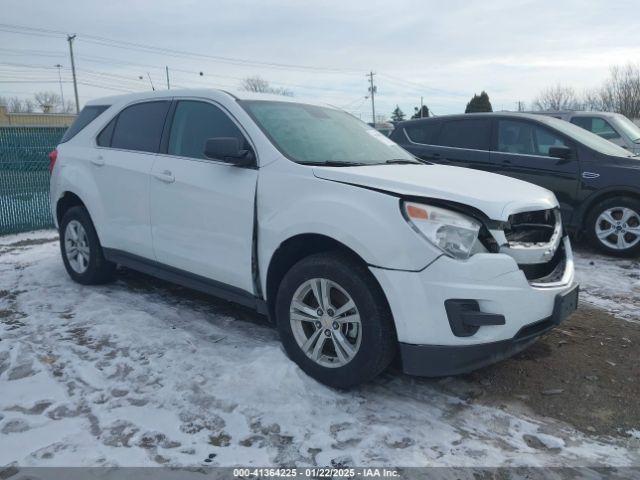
point(8, 119)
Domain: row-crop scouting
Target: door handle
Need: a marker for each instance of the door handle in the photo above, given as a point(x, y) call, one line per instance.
point(98, 161)
point(166, 176)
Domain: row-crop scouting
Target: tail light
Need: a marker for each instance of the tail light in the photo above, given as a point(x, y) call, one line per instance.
point(53, 156)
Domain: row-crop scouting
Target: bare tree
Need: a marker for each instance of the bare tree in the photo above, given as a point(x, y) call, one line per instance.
point(621, 91)
point(48, 101)
point(16, 105)
point(557, 98)
point(260, 85)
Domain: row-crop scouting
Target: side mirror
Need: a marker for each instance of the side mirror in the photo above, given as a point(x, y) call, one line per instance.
point(227, 149)
point(560, 152)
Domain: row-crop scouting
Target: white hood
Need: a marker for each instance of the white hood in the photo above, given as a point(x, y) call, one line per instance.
point(495, 195)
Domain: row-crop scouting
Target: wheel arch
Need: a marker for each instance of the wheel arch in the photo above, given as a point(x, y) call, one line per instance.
point(67, 200)
point(294, 249)
point(601, 196)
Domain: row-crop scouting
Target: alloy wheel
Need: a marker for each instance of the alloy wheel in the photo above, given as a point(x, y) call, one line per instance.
point(325, 322)
point(618, 228)
point(76, 246)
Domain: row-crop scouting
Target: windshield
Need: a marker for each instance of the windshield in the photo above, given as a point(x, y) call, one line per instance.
point(629, 128)
point(315, 135)
point(587, 138)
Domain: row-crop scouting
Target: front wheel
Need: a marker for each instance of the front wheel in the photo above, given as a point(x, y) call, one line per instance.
point(334, 321)
point(614, 226)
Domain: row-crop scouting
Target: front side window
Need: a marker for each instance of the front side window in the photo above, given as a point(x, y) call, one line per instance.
point(596, 125)
point(86, 116)
point(526, 138)
point(309, 134)
point(467, 133)
point(193, 123)
point(139, 127)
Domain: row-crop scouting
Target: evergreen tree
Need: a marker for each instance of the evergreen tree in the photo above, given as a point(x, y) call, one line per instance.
point(397, 115)
point(423, 114)
point(479, 103)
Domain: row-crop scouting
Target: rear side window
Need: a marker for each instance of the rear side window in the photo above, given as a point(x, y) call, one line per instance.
point(193, 123)
point(139, 127)
point(423, 132)
point(473, 133)
point(86, 116)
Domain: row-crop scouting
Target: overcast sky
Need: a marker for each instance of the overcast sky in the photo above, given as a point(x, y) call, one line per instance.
point(443, 51)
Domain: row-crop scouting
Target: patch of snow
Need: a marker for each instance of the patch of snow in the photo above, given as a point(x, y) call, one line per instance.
point(142, 373)
point(610, 283)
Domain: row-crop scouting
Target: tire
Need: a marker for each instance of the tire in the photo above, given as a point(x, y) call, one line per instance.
point(346, 278)
point(624, 223)
point(88, 267)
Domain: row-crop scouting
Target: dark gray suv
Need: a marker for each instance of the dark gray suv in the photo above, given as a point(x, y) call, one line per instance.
point(596, 182)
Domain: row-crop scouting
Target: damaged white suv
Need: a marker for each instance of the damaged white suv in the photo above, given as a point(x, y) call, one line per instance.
point(356, 250)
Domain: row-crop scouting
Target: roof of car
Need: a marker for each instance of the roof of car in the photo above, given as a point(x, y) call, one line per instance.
point(201, 92)
point(472, 115)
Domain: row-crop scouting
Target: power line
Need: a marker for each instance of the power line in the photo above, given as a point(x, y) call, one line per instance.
point(104, 41)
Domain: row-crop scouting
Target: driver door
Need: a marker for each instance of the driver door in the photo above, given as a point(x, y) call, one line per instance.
point(202, 210)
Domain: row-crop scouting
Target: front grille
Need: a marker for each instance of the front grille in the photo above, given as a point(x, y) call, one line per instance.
point(535, 241)
point(531, 227)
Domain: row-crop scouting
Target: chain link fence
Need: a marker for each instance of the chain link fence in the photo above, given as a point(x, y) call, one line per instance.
point(24, 177)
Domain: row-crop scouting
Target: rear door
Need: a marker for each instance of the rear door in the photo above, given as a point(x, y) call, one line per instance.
point(202, 210)
point(458, 142)
point(127, 147)
point(521, 150)
point(465, 142)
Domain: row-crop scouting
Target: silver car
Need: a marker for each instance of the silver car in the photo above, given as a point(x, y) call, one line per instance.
point(612, 126)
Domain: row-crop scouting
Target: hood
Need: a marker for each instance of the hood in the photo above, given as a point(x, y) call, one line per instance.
point(495, 195)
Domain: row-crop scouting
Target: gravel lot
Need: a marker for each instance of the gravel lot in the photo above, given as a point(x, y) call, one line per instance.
point(141, 372)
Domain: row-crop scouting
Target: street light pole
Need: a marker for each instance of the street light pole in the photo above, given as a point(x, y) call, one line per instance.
point(58, 66)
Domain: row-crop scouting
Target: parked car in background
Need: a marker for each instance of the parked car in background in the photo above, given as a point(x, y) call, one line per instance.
point(384, 128)
point(352, 246)
point(611, 126)
point(596, 182)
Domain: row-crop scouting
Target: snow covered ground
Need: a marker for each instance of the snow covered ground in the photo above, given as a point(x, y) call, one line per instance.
point(142, 373)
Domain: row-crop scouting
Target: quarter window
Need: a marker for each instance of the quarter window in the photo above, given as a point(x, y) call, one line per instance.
point(87, 115)
point(473, 133)
point(526, 138)
point(193, 123)
point(139, 127)
point(596, 125)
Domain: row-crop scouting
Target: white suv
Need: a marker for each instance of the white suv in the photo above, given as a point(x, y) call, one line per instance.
point(356, 250)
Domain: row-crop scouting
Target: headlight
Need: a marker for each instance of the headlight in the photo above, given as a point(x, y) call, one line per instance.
point(454, 233)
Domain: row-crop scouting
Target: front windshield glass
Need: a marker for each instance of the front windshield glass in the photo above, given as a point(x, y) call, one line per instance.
point(587, 138)
point(309, 134)
point(629, 128)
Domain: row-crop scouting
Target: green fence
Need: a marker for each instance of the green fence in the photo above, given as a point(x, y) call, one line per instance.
point(24, 177)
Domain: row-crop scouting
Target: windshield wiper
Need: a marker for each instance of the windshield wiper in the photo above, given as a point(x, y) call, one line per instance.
point(403, 161)
point(335, 163)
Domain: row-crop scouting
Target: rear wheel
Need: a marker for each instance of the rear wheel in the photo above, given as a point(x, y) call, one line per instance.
point(614, 226)
point(81, 250)
point(334, 321)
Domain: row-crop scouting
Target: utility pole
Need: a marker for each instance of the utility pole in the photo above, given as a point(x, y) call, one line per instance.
point(58, 66)
point(372, 91)
point(70, 39)
point(421, 106)
point(167, 70)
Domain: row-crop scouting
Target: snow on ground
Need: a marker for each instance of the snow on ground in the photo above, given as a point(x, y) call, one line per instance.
point(612, 284)
point(141, 373)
